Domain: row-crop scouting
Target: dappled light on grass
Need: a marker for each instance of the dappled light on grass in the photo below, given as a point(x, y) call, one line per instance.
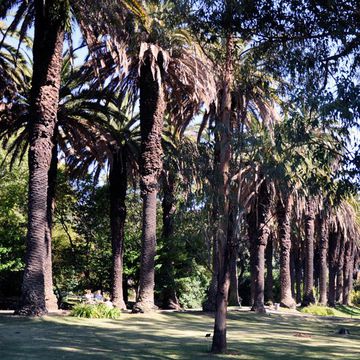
point(177, 336)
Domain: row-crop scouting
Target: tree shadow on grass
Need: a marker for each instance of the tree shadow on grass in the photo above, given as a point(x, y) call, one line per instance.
point(172, 336)
point(350, 310)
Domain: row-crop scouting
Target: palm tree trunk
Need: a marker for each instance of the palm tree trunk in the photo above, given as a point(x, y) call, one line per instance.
point(50, 298)
point(169, 296)
point(348, 273)
point(234, 299)
point(323, 248)
point(334, 246)
point(309, 297)
point(284, 215)
point(269, 282)
point(47, 61)
point(210, 301)
point(262, 235)
point(219, 344)
point(298, 269)
point(293, 271)
point(152, 108)
point(340, 272)
point(118, 187)
point(252, 235)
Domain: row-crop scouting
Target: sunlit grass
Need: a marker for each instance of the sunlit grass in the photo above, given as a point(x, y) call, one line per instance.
point(339, 311)
point(173, 335)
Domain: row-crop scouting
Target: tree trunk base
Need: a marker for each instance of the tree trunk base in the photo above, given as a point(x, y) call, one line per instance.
point(308, 300)
point(51, 303)
point(171, 304)
point(144, 307)
point(120, 304)
point(260, 309)
point(288, 303)
point(31, 310)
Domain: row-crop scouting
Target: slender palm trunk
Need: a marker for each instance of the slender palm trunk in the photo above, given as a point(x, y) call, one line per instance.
point(152, 108)
point(169, 296)
point(284, 215)
point(334, 247)
point(234, 299)
point(209, 303)
point(269, 282)
point(323, 248)
point(340, 272)
point(118, 187)
point(219, 344)
point(47, 61)
point(252, 235)
point(309, 297)
point(262, 235)
point(348, 272)
point(50, 298)
point(298, 268)
point(293, 271)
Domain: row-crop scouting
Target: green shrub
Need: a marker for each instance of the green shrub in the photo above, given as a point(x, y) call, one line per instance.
point(95, 311)
point(355, 297)
point(319, 310)
point(192, 289)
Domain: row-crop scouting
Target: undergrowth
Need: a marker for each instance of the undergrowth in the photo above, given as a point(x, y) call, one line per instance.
point(95, 311)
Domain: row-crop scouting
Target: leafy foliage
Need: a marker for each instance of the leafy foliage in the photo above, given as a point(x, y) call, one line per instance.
point(95, 311)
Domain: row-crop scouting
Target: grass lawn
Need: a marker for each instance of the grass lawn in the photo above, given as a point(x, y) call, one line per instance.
point(177, 336)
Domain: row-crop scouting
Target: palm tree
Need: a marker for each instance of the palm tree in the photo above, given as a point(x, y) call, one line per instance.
point(13, 70)
point(309, 297)
point(181, 175)
point(323, 248)
point(93, 128)
point(49, 29)
point(164, 66)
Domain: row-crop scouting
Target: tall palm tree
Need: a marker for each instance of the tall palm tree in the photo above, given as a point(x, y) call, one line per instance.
point(49, 29)
point(164, 65)
point(93, 128)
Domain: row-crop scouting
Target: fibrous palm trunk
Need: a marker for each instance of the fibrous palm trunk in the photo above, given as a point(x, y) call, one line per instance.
point(309, 297)
point(340, 271)
point(209, 303)
point(169, 296)
point(252, 235)
point(234, 299)
point(292, 271)
point(219, 344)
point(298, 268)
point(269, 281)
point(262, 234)
point(284, 215)
point(323, 248)
point(152, 108)
point(50, 298)
point(47, 61)
point(334, 248)
point(118, 187)
point(348, 272)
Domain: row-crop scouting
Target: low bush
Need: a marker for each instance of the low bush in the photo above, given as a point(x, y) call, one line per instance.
point(95, 311)
point(319, 310)
point(355, 297)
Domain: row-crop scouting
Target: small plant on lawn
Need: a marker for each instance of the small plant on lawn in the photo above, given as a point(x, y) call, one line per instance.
point(355, 297)
point(319, 310)
point(95, 311)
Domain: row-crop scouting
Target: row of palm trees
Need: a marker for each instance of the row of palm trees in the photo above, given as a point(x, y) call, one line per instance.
point(273, 167)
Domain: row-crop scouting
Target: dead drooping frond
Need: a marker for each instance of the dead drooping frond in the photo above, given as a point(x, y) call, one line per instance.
point(343, 219)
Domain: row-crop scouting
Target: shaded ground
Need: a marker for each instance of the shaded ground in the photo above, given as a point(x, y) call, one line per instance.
point(177, 336)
